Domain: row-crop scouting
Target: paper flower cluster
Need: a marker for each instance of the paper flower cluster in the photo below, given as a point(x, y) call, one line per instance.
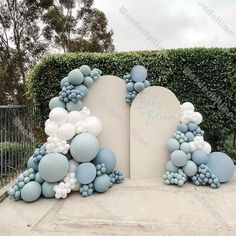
point(191, 156)
point(71, 160)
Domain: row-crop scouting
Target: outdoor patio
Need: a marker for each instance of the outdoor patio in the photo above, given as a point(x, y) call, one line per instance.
point(136, 207)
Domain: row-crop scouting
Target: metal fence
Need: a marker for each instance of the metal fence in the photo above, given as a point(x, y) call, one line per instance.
point(17, 140)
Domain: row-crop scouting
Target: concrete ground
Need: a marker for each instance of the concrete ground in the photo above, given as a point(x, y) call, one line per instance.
point(136, 207)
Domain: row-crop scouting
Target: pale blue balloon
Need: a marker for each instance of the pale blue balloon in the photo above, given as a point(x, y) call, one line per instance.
point(190, 169)
point(32, 164)
point(88, 81)
point(138, 73)
point(83, 89)
point(70, 106)
point(130, 86)
point(47, 189)
point(173, 145)
point(192, 126)
point(190, 136)
point(85, 70)
point(75, 77)
point(56, 102)
point(170, 167)
point(53, 167)
point(102, 183)
point(38, 178)
point(86, 173)
point(221, 165)
point(179, 158)
point(182, 127)
point(107, 157)
point(64, 80)
point(185, 147)
point(199, 157)
point(84, 147)
point(146, 83)
point(139, 86)
point(31, 191)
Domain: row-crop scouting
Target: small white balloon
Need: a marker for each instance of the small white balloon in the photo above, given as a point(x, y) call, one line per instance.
point(51, 129)
point(207, 148)
point(58, 115)
point(73, 165)
point(187, 106)
point(93, 125)
point(74, 117)
point(198, 118)
point(66, 131)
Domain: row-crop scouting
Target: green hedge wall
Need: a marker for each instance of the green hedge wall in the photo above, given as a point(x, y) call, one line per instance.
point(206, 77)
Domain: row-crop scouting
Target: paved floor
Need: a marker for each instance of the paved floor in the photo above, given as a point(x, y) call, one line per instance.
point(136, 207)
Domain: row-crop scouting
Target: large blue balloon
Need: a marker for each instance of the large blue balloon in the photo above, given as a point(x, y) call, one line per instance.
point(199, 157)
point(84, 147)
point(85, 70)
point(56, 102)
point(102, 183)
point(107, 157)
point(53, 167)
point(75, 77)
point(31, 191)
point(221, 165)
point(138, 73)
point(86, 173)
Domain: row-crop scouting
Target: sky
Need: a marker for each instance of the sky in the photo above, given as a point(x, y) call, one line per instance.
point(162, 24)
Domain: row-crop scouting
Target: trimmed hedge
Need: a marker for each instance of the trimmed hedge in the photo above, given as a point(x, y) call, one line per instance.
point(206, 77)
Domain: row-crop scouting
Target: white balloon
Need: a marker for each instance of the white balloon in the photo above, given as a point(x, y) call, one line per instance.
point(187, 106)
point(58, 115)
point(47, 122)
point(57, 195)
point(93, 125)
point(198, 118)
point(74, 117)
point(66, 131)
point(73, 165)
point(51, 129)
point(207, 148)
point(76, 187)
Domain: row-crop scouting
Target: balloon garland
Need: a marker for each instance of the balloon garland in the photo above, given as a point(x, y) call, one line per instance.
point(71, 159)
point(191, 157)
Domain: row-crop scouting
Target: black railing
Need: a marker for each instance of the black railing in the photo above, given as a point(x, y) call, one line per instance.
point(17, 142)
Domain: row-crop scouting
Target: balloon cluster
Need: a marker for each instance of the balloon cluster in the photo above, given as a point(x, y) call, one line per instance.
point(71, 159)
point(135, 82)
point(191, 156)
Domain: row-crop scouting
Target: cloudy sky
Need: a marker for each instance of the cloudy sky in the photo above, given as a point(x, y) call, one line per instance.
point(156, 24)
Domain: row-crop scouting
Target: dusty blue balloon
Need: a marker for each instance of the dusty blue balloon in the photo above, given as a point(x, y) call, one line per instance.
point(88, 81)
point(70, 106)
point(31, 191)
point(102, 183)
point(38, 178)
point(85, 70)
point(130, 86)
point(83, 89)
point(138, 73)
point(84, 147)
point(192, 126)
point(190, 169)
point(179, 158)
point(190, 136)
point(53, 167)
point(170, 167)
point(32, 164)
point(199, 157)
point(182, 127)
point(172, 145)
point(63, 81)
point(47, 189)
point(107, 157)
point(139, 86)
point(56, 102)
point(221, 165)
point(75, 77)
point(86, 173)
point(185, 147)
point(146, 83)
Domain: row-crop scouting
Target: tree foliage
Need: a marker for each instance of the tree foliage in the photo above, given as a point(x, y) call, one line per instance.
point(29, 28)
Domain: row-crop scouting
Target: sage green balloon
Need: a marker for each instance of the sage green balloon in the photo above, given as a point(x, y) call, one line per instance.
point(102, 183)
point(85, 70)
point(75, 77)
point(88, 81)
point(56, 102)
point(38, 178)
point(53, 167)
point(170, 167)
point(70, 106)
point(47, 189)
point(190, 169)
point(185, 147)
point(31, 191)
point(172, 145)
point(179, 158)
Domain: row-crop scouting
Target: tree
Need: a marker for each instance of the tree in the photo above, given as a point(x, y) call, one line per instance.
point(20, 45)
point(76, 26)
